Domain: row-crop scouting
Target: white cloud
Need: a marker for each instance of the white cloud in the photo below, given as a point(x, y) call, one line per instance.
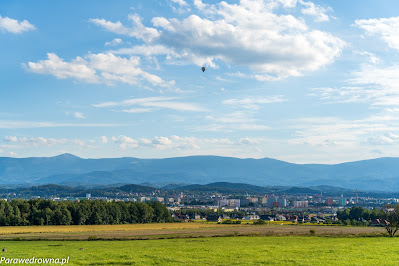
point(385, 28)
point(97, 68)
point(332, 131)
point(236, 121)
point(248, 141)
point(178, 106)
point(10, 139)
point(161, 142)
point(138, 30)
point(76, 69)
point(246, 34)
point(153, 103)
point(138, 110)
point(146, 50)
point(43, 124)
point(180, 2)
point(235, 117)
point(114, 42)
point(15, 26)
point(104, 139)
point(288, 3)
point(41, 141)
point(177, 143)
point(126, 142)
point(386, 139)
point(77, 115)
point(254, 102)
point(182, 6)
point(199, 5)
point(373, 59)
point(314, 10)
point(130, 143)
point(373, 84)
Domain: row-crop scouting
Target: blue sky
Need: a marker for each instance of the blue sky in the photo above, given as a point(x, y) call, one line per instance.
point(295, 80)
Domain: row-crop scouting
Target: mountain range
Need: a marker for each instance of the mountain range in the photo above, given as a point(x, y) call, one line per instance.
point(66, 169)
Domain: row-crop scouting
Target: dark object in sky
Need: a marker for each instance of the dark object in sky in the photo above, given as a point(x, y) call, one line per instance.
point(203, 69)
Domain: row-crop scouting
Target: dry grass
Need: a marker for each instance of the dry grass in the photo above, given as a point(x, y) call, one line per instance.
point(100, 228)
point(176, 230)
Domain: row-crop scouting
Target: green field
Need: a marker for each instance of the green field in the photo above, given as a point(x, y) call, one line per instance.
point(297, 250)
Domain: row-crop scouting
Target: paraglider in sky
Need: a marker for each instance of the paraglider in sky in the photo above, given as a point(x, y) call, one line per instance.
point(203, 69)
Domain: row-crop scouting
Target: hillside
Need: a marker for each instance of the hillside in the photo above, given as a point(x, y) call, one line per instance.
point(377, 174)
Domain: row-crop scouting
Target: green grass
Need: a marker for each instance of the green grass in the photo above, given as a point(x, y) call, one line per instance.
point(216, 251)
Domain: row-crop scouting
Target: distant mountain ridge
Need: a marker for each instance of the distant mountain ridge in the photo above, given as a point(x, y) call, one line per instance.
point(376, 174)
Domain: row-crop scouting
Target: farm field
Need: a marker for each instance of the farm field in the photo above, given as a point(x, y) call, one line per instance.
point(174, 230)
point(255, 250)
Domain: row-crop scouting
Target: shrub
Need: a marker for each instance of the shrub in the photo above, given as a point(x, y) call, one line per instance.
point(312, 232)
point(90, 238)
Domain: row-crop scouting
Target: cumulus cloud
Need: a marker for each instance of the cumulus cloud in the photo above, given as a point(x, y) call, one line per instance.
point(245, 34)
point(385, 28)
point(152, 103)
point(174, 142)
point(320, 13)
point(126, 142)
point(158, 142)
point(15, 26)
point(97, 68)
point(138, 30)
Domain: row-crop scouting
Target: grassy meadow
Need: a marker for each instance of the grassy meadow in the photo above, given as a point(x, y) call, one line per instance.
point(202, 244)
point(255, 250)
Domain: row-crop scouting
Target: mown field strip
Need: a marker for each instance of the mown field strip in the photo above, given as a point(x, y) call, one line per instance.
point(285, 250)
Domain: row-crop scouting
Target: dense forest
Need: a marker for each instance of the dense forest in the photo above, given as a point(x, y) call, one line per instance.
point(47, 212)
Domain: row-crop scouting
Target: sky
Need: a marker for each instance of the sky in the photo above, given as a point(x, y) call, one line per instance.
point(295, 80)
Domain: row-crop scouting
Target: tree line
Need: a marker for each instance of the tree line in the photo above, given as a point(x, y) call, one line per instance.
point(86, 212)
point(389, 214)
point(359, 213)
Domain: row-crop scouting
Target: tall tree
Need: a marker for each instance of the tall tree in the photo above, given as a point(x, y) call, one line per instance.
point(392, 218)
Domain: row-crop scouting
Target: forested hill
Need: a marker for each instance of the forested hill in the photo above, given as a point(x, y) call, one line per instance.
point(376, 174)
